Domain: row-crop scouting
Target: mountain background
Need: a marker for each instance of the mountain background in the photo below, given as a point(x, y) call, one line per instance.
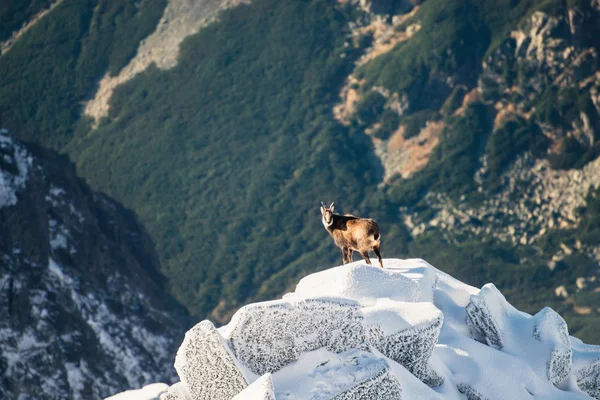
point(468, 129)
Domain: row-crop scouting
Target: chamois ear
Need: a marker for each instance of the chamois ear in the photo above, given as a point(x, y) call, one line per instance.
point(331, 207)
point(323, 208)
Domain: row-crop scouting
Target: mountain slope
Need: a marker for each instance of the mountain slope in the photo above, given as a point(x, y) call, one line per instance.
point(84, 310)
point(467, 129)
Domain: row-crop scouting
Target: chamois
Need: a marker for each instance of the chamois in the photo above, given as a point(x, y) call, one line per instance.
point(352, 234)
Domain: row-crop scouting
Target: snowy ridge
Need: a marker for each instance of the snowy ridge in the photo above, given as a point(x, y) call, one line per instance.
point(408, 331)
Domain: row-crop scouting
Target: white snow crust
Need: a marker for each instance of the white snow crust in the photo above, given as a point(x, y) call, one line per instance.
point(261, 389)
point(408, 331)
point(148, 392)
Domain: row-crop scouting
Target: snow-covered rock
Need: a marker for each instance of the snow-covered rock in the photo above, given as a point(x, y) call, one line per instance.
point(408, 331)
point(261, 389)
point(206, 366)
point(586, 367)
point(177, 391)
point(486, 316)
point(551, 330)
point(493, 321)
point(267, 336)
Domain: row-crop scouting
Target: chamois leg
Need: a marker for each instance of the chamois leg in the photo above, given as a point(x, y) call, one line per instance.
point(376, 250)
point(345, 253)
point(365, 255)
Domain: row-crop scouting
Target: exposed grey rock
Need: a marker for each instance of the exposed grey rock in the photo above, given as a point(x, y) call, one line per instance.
point(552, 330)
point(206, 366)
point(177, 391)
point(486, 323)
point(267, 336)
point(382, 386)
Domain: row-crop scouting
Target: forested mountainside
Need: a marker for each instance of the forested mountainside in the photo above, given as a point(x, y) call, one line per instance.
point(468, 129)
point(84, 309)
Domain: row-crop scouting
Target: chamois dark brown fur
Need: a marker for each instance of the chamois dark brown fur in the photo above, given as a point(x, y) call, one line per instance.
point(352, 234)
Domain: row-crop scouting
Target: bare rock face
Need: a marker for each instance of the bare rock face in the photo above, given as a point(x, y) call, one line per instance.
point(260, 389)
point(551, 330)
point(381, 386)
point(267, 336)
point(485, 317)
point(206, 366)
point(412, 346)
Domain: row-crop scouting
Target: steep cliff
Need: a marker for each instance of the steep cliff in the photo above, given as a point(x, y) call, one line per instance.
point(84, 310)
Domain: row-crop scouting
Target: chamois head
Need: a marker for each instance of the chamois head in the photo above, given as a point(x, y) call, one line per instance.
point(327, 213)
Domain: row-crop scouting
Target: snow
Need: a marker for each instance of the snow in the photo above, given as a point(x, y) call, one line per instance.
point(395, 316)
point(260, 389)
point(359, 281)
point(148, 392)
point(408, 331)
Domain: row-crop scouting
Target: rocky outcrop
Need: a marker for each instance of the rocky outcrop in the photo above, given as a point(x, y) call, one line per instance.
point(315, 347)
point(551, 330)
point(485, 317)
point(206, 367)
point(84, 310)
point(549, 354)
point(411, 347)
point(267, 336)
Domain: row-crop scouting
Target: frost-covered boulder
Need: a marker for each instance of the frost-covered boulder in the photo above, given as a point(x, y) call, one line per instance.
point(267, 336)
point(206, 366)
point(260, 389)
point(486, 315)
point(407, 333)
point(551, 330)
point(177, 391)
point(586, 367)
